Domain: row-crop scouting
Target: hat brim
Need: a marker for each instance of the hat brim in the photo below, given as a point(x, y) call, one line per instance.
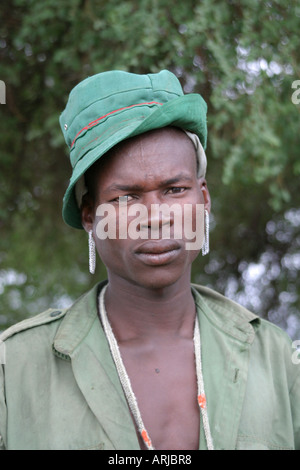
point(186, 112)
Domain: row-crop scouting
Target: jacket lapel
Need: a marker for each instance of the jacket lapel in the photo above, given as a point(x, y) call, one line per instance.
point(227, 333)
point(81, 337)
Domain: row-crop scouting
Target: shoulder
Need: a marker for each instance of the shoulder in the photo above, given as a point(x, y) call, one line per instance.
point(44, 326)
point(225, 314)
point(222, 304)
point(271, 348)
point(47, 317)
point(229, 314)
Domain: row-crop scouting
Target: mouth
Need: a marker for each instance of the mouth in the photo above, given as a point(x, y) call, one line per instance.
point(160, 252)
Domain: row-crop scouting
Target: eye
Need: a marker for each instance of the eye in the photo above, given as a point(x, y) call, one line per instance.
point(123, 199)
point(176, 190)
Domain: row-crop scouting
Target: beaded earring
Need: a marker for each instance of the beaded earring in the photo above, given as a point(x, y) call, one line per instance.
point(205, 246)
point(92, 253)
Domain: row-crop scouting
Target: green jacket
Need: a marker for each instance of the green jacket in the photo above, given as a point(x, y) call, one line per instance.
point(59, 388)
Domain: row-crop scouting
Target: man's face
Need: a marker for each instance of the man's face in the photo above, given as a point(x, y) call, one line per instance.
point(149, 170)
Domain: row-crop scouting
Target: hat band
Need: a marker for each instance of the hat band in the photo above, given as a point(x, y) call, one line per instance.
point(96, 121)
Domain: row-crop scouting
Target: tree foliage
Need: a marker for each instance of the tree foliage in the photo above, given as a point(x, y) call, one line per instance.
point(242, 56)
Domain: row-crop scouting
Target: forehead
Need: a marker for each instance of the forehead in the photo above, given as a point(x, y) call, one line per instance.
point(152, 155)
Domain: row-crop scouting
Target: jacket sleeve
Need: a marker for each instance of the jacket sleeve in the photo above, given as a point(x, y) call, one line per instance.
point(3, 412)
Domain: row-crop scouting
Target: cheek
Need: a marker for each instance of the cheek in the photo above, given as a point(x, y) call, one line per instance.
point(113, 253)
point(113, 249)
point(112, 222)
point(193, 223)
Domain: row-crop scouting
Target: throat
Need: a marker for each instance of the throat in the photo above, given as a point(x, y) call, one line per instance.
point(151, 319)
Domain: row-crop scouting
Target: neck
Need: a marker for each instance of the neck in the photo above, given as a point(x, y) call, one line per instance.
point(136, 312)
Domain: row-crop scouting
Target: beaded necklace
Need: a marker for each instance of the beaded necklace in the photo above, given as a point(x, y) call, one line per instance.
point(125, 381)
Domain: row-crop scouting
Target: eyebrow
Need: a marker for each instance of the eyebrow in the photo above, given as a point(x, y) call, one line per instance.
point(182, 177)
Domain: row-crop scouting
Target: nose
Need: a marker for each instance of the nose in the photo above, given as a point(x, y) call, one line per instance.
point(159, 218)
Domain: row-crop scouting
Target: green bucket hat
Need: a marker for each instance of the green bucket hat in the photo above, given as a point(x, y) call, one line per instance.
point(109, 107)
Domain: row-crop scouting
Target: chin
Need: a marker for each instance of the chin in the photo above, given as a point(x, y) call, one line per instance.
point(155, 276)
point(160, 279)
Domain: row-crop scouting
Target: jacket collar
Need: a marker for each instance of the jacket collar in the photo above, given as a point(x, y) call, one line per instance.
point(225, 314)
point(77, 322)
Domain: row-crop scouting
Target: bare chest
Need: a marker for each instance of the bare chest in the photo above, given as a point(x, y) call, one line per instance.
point(165, 385)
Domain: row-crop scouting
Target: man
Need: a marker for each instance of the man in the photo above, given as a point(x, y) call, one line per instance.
point(145, 360)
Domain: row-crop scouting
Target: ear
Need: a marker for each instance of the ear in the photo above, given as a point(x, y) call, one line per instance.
point(87, 212)
point(205, 193)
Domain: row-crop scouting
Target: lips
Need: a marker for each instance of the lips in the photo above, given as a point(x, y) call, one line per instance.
point(158, 252)
point(158, 247)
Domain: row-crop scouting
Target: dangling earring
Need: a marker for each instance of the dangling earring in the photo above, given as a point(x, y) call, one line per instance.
point(205, 246)
point(92, 253)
